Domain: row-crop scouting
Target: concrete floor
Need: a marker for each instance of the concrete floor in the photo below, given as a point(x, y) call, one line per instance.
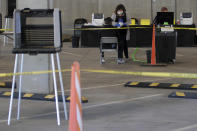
point(111, 107)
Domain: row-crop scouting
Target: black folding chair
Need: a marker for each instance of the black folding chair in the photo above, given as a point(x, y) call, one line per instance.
point(108, 44)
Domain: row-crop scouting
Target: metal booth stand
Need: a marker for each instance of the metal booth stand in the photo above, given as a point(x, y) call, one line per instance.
point(36, 39)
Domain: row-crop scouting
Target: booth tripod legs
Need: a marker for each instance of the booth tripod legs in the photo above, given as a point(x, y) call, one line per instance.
point(12, 91)
point(20, 87)
point(54, 82)
point(62, 86)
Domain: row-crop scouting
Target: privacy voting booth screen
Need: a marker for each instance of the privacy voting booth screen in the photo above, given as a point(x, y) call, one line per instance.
point(37, 31)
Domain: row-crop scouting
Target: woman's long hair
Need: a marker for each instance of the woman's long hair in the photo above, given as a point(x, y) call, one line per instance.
point(121, 7)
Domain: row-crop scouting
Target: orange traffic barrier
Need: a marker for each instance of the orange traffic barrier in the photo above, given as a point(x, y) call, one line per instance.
point(75, 122)
point(153, 54)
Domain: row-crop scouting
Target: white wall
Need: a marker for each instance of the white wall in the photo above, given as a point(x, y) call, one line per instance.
point(33, 4)
point(72, 9)
point(135, 8)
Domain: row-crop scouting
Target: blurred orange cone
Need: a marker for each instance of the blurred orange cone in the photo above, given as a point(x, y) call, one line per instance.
point(75, 122)
point(153, 54)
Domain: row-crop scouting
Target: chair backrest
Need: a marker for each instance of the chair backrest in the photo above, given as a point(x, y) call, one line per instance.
point(109, 40)
point(78, 23)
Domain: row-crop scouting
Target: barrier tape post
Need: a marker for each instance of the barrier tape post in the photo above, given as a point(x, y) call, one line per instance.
point(153, 53)
point(75, 122)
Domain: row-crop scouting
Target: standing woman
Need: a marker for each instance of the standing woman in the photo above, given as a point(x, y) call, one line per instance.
point(120, 19)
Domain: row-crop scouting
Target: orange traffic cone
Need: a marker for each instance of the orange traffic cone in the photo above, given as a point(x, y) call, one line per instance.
point(75, 122)
point(153, 54)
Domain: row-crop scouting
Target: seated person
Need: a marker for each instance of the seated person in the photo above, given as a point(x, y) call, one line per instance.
point(163, 9)
point(108, 33)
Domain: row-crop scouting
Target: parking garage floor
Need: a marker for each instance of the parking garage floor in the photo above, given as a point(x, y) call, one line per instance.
point(111, 106)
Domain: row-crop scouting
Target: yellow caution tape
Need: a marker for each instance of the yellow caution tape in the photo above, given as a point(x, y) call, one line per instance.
point(31, 73)
point(148, 74)
point(92, 28)
point(141, 27)
point(122, 28)
point(182, 28)
point(2, 29)
point(6, 29)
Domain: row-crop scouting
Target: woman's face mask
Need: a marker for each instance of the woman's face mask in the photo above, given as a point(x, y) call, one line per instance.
point(120, 12)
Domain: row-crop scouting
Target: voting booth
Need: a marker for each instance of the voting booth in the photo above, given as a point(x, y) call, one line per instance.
point(37, 37)
point(31, 37)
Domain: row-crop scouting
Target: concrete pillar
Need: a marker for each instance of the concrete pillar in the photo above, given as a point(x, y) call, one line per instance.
point(51, 4)
point(36, 83)
point(3, 9)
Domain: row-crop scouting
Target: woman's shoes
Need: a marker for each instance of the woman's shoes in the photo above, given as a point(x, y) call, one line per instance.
point(120, 61)
point(102, 60)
